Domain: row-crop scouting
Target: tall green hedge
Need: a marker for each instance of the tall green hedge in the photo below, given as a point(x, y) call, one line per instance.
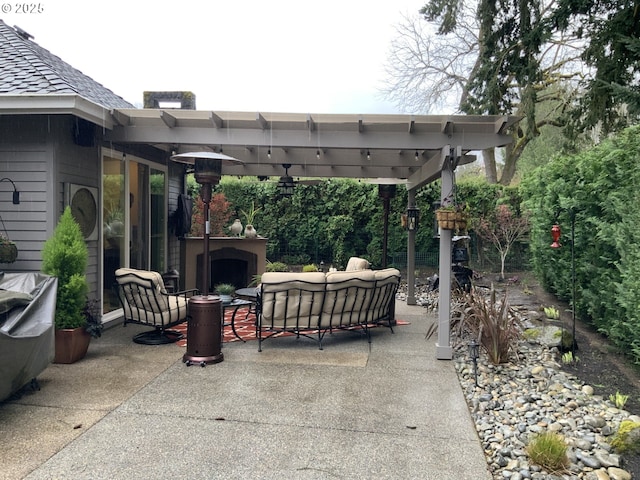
point(338, 218)
point(600, 188)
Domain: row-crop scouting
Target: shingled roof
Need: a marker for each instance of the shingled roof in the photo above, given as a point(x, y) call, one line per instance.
point(27, 68)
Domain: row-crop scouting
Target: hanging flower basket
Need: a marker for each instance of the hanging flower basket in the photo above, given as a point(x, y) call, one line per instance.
point(451, 219)
point(8, 250)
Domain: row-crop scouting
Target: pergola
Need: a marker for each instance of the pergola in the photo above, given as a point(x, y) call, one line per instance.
point(413, 149)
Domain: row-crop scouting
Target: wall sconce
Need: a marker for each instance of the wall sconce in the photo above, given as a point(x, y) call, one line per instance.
point(317, 154)
point(413, 217)
point(474, 353)
point(16, 193)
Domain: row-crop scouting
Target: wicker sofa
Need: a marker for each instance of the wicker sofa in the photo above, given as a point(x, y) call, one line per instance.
point(314, 303)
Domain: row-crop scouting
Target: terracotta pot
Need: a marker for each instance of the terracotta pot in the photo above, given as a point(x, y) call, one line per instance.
point(71, 344)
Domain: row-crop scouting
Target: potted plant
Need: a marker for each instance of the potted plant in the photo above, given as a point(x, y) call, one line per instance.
point(226, 291)
point(249, 216)
point(64, 255)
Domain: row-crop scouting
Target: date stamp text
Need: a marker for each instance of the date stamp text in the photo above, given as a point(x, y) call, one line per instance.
point(22, 8)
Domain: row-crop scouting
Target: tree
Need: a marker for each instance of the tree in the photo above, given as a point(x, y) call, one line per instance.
point(219, 214)
point(502, 228)
point(611, 33)
point(492, 58)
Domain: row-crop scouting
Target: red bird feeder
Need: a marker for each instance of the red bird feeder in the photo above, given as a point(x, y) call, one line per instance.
point(555, 235)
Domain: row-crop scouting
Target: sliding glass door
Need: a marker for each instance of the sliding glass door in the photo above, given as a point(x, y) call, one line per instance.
point(134, 220)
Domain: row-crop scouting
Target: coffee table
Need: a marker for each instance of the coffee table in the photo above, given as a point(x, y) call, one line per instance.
point(249, 293)
point(235, 305)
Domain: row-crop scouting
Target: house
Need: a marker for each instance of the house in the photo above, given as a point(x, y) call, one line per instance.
point(66, 139)
point(53, 149)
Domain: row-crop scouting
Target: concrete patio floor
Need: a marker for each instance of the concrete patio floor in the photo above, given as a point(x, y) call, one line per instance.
point(352, 410)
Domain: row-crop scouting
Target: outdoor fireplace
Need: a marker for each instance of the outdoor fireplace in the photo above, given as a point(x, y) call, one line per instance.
point(233, 260)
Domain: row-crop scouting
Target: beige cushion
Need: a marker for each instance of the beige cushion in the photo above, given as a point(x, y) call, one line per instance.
point(356, 263)
point(347, 298)
point(289, 297)
point(387, 274)
point(151, 299)
point(176, 311)
point(386, 284)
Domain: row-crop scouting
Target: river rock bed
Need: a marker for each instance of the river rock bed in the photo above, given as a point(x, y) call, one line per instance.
point(515, 401)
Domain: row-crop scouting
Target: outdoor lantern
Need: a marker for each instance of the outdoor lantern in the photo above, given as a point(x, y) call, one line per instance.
point(555, 235)
point(285, 184)
point(436, 227)
point(413, 216)
point(474, 353)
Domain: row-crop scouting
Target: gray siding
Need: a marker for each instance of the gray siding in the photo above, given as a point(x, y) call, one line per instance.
point(26, 151)
point(80, 165)
point(39, 154)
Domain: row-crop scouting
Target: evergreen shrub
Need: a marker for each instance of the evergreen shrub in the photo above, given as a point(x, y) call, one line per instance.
point(64, 255)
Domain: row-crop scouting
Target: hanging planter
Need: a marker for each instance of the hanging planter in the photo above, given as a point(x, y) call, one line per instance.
point(8, 249)
point(451, 218)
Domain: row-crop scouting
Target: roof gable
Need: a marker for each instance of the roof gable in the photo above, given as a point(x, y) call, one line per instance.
point(27, 68)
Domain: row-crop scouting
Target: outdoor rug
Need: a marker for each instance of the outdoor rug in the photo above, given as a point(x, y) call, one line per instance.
point(245, 325)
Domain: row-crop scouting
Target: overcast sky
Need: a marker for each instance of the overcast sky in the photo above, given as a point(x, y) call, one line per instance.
point(278, 55)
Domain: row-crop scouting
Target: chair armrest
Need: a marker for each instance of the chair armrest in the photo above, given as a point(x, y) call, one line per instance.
point(186, 293)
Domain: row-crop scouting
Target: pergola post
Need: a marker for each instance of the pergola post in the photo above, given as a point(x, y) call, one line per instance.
point(444, 351)
point(411, 253)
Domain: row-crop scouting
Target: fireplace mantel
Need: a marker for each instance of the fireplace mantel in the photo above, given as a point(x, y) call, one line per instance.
point(192, 247)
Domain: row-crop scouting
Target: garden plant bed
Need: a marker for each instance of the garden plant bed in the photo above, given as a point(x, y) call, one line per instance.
point(599, 365)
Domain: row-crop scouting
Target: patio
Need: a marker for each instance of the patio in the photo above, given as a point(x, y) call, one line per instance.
point(392, 411)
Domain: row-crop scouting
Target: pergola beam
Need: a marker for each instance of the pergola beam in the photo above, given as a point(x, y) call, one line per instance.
point(168, 119)
point(120, 118)
point(215, 119)
point(262, 122)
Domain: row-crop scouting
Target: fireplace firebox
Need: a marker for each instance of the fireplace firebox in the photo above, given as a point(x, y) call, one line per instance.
point(233, 260)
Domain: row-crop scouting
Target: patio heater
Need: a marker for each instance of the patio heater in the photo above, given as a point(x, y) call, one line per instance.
point(386, 192)
point(204, 327)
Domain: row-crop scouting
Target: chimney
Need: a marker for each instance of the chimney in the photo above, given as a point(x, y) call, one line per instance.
point(177, 100)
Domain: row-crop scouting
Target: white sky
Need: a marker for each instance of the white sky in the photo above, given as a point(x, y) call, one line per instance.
point(242, 55)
